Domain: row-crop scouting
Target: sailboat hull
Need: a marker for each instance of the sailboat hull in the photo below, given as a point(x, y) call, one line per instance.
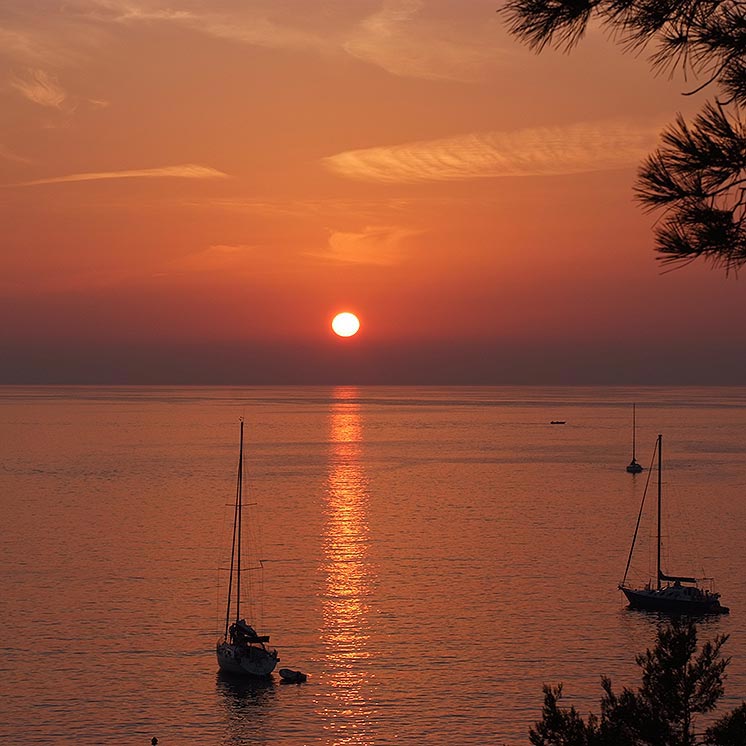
point(674, 600)
point(634, 467)
point(245, 660)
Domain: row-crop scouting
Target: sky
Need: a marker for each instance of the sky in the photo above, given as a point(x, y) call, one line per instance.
point(191, 189)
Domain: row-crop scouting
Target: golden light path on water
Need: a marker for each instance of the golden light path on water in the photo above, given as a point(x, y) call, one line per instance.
point(348, 576)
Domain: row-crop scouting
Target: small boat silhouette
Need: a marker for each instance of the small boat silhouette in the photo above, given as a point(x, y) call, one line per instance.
point(292, 677)
point(633, 467)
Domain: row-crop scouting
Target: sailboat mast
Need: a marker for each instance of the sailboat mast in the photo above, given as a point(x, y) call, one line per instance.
point(634, 428)
point(239, 508)
point(660, 457)
point(236, 535)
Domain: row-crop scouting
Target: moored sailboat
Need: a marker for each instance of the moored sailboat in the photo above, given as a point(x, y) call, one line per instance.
point(241, 650)
point(633, 467)
point(669, 593)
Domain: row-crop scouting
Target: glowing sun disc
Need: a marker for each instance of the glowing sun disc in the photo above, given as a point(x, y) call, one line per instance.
point(345, 324)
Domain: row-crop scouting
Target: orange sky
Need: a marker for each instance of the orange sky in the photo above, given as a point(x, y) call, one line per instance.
point(191, 189)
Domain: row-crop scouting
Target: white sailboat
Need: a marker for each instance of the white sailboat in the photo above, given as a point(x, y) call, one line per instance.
point(241, 650)
point(669, 593)
point(633, 467)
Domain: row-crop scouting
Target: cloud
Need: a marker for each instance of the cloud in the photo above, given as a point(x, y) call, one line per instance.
point(398, 37)
point(253, 28)
point(545, 151)
point(219, 258)
point(186, 171)
point(51, 39)
point(18, 44)
point(398, 40)
point(40, 87)
point(374, 245)
point(338, 208)
point(8, 155)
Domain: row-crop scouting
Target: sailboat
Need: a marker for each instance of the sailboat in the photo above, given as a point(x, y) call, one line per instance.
point(241, 650)
point(633, 467)
point(670, 593)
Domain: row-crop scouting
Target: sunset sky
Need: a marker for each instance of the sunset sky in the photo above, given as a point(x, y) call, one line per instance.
point(191, 189)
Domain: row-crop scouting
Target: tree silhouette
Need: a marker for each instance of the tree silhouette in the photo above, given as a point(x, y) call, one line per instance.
point(697, 177)
point(677, 685)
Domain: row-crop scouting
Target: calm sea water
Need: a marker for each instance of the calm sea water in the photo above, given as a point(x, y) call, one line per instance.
point(431, 556)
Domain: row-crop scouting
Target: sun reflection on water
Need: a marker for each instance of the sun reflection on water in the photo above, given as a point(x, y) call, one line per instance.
point(348, 575)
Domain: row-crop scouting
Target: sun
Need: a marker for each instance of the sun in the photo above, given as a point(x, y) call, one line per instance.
point(345, 324)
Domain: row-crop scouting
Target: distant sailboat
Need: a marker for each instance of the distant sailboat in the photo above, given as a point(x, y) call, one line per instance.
point(241, 650)
point(633, 467)
point(680, 594)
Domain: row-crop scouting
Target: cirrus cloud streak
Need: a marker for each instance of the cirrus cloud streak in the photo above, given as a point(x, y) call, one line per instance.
point(541, 151)
point(185, 171)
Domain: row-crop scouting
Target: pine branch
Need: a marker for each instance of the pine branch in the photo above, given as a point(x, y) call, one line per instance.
point(696, 176)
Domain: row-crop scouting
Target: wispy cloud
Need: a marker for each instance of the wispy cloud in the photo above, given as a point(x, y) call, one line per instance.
point(135, 10)
point(252, 26)
point(374, 245)
point(546, 151)
point(378, 245)
point(400, 36)
point(18, 43)
point(58, 37)
point(185, 171)
point(400, 41)
point(8, 155)
point(338, 208)
point(40, 87)
point(219, 258)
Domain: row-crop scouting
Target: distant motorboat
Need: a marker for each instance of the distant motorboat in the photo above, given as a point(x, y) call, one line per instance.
point(242, 650)
point(669, 593)
point(558, 422)
point(633, 467)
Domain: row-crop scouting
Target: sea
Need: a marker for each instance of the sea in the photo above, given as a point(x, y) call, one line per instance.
point(429, 556)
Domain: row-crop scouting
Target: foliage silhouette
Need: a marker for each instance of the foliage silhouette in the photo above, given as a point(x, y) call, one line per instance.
point(678, 684)
point(697, 177)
